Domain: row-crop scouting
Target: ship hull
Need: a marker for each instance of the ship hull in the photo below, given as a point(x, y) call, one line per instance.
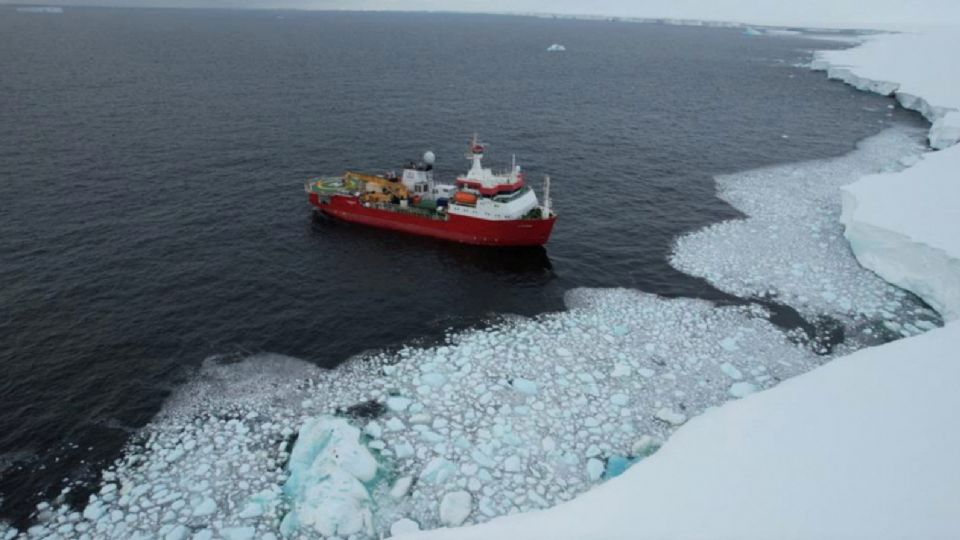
point(455, 228)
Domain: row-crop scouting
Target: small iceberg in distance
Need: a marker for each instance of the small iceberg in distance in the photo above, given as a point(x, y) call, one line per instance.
point(751, 31)
point(556, 47)
point(40, 9)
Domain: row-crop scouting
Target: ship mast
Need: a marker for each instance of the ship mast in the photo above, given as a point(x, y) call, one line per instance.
point(476, 154)
point(546, 196)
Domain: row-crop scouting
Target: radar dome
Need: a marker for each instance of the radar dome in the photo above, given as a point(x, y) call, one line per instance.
point(429, 157)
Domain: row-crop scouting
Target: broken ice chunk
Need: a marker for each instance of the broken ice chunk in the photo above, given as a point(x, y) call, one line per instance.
point(594, 469)
point(401, 487)
point(731, 371)
point(404, 526)
point(398, 404)
point(741, 389)
point(511, 464)
point(670, 416)
point(437, 471)
point(455, 507)
point(373, 429)
point(524, 386)
point(729, 344)
point(620, 370)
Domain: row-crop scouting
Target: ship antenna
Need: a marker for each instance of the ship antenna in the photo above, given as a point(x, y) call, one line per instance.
point(546, 196)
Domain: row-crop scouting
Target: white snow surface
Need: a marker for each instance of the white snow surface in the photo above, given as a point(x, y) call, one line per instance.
point(863, 447)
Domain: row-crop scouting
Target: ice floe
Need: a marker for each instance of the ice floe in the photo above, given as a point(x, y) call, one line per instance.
point(790, 247)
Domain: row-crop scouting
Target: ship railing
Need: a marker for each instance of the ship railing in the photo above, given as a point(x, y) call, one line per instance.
point(409, 210)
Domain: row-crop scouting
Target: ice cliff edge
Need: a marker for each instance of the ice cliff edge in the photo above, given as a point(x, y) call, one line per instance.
point(903, 225)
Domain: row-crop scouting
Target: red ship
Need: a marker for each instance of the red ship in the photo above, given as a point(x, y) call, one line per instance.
point(481, 208)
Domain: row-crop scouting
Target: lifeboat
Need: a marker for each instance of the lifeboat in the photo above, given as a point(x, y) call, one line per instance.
point(465, 197)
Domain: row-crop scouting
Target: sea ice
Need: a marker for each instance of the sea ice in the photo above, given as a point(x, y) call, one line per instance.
point(524, 386)
point(791, 247)
point(782, 450)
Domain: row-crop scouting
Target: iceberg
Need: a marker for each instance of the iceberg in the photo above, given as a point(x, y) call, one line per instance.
point(41, 9)
point(329, 470)
point(556, 47)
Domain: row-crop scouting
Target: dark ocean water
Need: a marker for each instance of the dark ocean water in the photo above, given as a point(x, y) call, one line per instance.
point(152, 212)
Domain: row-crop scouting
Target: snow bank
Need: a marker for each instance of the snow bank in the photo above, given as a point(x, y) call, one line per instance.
point(903, 225)
point(863, 447)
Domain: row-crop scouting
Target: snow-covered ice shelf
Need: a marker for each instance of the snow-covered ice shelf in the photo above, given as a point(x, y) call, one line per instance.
point(904, 225)
point(915, 67)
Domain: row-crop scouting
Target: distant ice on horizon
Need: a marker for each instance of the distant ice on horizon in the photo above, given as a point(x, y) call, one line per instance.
point(881, 14)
